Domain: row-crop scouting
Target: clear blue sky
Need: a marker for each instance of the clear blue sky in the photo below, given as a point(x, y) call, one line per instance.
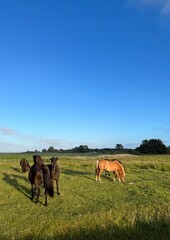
point(91, 72)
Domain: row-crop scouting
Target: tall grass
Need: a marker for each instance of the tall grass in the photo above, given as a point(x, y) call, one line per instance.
point(137, 209)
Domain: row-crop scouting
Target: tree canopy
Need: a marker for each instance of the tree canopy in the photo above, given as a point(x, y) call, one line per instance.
point(152, 146)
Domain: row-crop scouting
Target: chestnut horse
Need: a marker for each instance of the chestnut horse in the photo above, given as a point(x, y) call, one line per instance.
point(54, 172)
point(40, 174)
point(110, 166)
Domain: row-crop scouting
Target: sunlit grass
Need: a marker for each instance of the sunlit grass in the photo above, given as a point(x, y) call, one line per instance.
point(137, 209)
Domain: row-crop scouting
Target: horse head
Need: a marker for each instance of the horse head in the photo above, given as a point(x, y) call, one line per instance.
point(38, 159)
point(53, 160)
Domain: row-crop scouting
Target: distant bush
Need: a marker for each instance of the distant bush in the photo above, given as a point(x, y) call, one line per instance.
point(152, 146)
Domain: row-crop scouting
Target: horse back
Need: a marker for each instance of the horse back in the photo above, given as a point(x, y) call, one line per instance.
point(109, 165)
point(35, 174)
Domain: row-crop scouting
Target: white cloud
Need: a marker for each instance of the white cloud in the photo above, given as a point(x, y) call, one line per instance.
point(8, 131)
point(162, 5)
point(166, 8)
point(12, 141)
point(11, 147)
point(56, 143)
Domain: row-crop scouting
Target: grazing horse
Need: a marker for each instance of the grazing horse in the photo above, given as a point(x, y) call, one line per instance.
point(54, 172)
point(24, 165)
point(110, 166)
point(39, 174)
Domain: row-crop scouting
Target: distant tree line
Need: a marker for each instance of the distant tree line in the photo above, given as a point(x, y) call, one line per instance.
point(151, 146)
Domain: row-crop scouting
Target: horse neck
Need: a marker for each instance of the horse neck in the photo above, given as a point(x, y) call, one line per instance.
point(53, 166)
point(122, 170)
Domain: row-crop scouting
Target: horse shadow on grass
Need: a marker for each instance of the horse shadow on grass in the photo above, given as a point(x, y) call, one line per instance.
point(85, 174)
point(16, 169)
point(75, 172)
point(13, 181)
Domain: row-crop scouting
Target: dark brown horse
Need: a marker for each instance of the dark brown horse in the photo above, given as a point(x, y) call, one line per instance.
point(110, 166)
point(55, 172)
point(39, 174)
point(24, 165)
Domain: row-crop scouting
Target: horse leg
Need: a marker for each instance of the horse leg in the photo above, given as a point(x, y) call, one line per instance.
point(37, 193)
point(114, 176)
point(118, 175)
point(32, 192)
point(107, 173)
point(57, 187)
point(99, 174)
point(121, 178)
point(46, 197)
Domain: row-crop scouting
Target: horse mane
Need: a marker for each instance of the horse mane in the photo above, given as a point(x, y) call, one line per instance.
point(117, 160)
point(121, 168)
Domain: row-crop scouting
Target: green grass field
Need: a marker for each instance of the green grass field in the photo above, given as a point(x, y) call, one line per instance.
point(137, 209)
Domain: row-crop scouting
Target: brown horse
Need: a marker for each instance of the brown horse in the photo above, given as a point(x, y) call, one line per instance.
point(54, 172)
point(110, 166)
point(24, 165)
point(40, 174)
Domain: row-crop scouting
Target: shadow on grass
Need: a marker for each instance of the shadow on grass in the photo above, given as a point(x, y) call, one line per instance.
point(153, 230)
point(86, 175)
point(75, 173)
point(16, 169)
point(12, 180)
point(90, 199)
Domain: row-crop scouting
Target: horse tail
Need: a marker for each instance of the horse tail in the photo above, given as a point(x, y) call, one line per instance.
point(48, 183)
point(97, 169)
point(97, 166)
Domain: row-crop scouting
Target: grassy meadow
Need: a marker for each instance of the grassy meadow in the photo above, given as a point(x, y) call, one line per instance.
point(137, 209)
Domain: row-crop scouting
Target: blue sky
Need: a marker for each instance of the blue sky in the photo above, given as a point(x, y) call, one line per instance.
point(91, 72)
